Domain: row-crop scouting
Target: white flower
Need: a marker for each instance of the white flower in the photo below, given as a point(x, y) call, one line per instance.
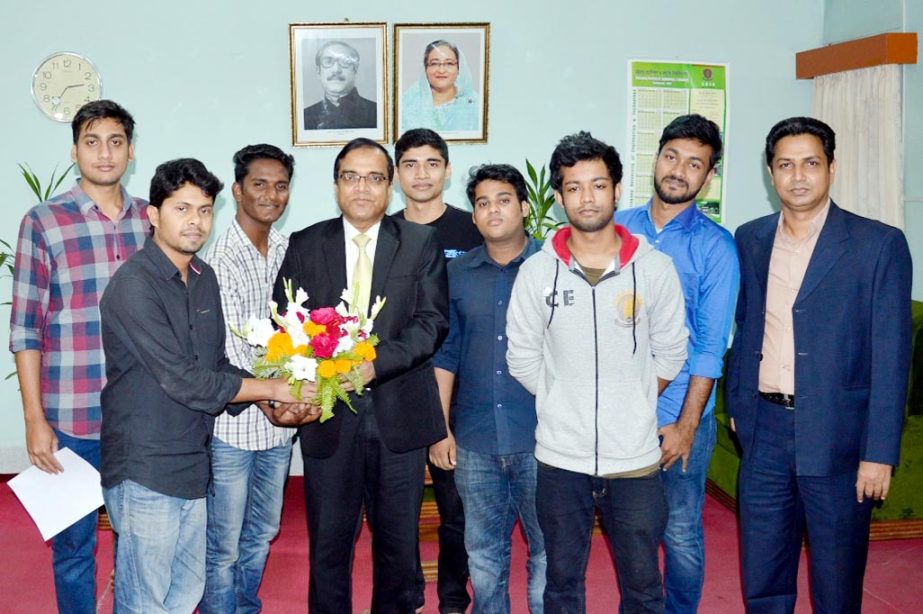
point(301, 297)
point(342, 309)
point(345, 344)
point(303, 368)
point(299, 337)
point(258, 331)
point(376, 307)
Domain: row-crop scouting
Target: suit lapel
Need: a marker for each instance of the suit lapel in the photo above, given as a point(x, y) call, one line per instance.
point(388, 242)
point(831, 245)
point(335, 255)
point(761, 250)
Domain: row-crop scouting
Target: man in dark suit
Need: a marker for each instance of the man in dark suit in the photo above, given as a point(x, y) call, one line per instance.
point(341, 107)
point(817, 377)
point(375, 457)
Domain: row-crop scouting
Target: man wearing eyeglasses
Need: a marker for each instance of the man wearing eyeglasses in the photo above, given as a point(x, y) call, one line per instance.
point(341, 107)
point(374, 458)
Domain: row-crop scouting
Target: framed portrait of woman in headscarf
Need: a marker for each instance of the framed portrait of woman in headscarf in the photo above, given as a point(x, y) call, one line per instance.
point(441, 79)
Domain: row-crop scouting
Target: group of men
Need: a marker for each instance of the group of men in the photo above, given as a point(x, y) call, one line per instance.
point(541, 382)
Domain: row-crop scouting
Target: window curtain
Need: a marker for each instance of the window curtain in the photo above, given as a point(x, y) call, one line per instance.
point(864, 109)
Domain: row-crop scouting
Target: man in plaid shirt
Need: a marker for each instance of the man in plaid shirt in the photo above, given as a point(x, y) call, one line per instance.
point(250, 456)
point(68, 249)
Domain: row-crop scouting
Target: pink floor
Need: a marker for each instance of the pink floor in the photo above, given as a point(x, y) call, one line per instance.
point(894, 580)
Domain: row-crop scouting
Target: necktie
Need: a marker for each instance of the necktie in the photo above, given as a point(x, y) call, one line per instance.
point(362, 274)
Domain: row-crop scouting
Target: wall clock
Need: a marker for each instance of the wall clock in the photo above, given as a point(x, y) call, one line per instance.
point(63, 82)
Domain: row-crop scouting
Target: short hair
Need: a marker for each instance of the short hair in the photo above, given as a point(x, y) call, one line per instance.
point(102, 109)
point(173, 175)
point(696, 128)
point(330, 43)
point(362, 143)
point(579, 147)
point(439, 43)
point(794, 126)
point(420, 137)
point(263, 151)
point(497, 172)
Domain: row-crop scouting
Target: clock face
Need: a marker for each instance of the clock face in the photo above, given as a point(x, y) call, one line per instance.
point(63, 83)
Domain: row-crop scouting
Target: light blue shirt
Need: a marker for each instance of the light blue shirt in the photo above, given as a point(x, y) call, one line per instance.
point(705, 256)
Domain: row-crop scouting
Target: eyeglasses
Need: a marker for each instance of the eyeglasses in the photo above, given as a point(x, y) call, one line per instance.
point(445, 64)
point(344, 63)
point(372, 179)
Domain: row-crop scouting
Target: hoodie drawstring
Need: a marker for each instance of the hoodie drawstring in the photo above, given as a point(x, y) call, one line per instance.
point(634, 309)
point(554, 291)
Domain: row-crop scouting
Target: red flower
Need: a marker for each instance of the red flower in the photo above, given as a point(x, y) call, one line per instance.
point(324, 345)
point(326, 316)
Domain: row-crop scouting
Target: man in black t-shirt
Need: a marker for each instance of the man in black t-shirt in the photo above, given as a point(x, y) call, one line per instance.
point(422, 159)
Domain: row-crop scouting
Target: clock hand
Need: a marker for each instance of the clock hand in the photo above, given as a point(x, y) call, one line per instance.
point(68, 87)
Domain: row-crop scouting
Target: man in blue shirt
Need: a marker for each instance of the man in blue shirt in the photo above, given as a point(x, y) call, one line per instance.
point(706, 259)
point(493, 440)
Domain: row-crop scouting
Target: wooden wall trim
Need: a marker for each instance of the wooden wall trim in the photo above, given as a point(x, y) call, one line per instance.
point(888, 48)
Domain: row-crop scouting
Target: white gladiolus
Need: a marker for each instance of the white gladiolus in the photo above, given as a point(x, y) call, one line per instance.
point(258, 331)
point(303, 368)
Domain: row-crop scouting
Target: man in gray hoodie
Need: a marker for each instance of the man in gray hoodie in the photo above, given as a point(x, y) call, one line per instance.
point(596, 330)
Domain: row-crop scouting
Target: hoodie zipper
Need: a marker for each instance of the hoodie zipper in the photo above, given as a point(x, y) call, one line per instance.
point(596, 387)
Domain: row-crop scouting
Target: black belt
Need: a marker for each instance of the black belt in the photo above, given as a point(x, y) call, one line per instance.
point(778, 398)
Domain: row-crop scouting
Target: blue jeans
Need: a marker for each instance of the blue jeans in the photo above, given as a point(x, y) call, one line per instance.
point(160, 552)
point(495, 490)
point(244, 509)
point(634, 513)
point(684, 538)
point(777, 505)
point(73, 548)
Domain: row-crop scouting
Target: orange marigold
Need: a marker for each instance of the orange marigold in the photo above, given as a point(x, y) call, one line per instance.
point(311, 329)
point(279, 346)
point(343, 365)
point(326, 368)
point(366, 350)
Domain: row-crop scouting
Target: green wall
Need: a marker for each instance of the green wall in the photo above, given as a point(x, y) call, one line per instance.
point(205, 78)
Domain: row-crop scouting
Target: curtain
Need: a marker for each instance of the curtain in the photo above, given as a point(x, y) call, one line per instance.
point(864, 109)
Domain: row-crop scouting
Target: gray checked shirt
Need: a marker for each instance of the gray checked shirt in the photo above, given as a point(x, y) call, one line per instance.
point(246, 280)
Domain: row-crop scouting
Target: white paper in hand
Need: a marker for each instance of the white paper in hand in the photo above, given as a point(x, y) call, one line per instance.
point(55, 501)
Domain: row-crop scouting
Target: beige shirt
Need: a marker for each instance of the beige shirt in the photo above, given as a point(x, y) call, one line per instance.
point(787, 266)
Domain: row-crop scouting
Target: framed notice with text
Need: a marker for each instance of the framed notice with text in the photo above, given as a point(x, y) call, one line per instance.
point(658, 93)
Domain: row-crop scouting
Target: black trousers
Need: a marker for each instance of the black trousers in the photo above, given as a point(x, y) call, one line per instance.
point(452, 583)
point(363, 473)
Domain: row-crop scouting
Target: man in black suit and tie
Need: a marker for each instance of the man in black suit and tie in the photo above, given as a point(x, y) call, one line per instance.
point(372, 459)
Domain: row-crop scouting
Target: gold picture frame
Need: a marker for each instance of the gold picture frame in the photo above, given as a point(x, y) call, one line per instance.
point(347, 96)
point(441, 79)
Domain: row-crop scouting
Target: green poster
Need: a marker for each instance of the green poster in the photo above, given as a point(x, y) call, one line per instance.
point(659, 92)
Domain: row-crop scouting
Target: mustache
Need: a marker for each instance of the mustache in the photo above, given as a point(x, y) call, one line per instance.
point(675, 178)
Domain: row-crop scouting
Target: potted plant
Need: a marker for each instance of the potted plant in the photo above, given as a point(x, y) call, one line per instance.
point(540, 222)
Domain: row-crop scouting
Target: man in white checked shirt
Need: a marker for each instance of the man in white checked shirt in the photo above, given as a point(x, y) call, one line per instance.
point(250, 456)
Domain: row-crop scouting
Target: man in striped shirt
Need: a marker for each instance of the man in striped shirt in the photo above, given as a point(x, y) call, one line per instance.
point(250, 455)
point(68, 249)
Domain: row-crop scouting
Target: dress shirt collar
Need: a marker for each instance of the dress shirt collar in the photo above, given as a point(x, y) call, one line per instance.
point(351, 231)
point(685, 218)
point(86, 203)
point(813, 229)
point(479, 255)
point(276, 238)
point(163, 264)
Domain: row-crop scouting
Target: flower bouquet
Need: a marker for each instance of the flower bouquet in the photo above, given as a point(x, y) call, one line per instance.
point(324, 345)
